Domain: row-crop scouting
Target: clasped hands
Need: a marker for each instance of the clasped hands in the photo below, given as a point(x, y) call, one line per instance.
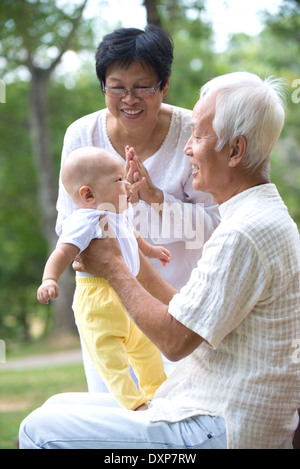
point(141, 185)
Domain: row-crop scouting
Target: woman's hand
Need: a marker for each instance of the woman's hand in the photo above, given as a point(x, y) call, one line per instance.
point(141, 183)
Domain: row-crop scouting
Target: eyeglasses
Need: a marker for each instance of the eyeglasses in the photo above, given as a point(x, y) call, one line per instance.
point(137, 92)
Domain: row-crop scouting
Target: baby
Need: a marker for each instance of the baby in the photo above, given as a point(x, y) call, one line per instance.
point(95, 179)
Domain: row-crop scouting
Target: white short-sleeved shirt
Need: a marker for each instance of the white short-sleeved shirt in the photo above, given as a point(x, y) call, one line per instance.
point(189, 216)
point(82, 226)
point(244, 300)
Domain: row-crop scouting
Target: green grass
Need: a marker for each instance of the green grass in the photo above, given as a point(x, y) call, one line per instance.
point(22, 391)
point(52, 343)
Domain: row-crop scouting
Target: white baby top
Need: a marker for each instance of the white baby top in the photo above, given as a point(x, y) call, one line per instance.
point(82, 226)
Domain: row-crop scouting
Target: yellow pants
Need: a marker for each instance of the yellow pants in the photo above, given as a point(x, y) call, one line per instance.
point(114, 342)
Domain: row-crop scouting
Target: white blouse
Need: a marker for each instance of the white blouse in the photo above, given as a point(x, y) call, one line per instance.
point(189, 217)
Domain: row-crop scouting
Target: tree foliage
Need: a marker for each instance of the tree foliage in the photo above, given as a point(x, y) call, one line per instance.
point(33, 34)
point(275, 51)
point(41, 32)
point(23, 247)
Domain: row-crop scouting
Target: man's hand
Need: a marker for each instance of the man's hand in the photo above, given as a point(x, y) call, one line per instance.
point(102, 256)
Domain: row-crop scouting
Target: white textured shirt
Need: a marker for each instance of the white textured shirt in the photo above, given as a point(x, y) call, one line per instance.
point(185, 224)
point(243, 299)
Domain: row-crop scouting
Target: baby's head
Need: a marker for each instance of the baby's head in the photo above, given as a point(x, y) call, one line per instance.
point(95, 178)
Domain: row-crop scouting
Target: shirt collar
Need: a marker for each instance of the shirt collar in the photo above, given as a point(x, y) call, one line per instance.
point(236, 200)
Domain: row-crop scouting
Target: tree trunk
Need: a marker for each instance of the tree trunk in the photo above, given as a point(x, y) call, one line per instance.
point(47, 187)
point(152, 13)
point(47, 190)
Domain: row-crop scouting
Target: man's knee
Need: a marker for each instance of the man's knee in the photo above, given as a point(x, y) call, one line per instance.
point(41, 428)
point(29, 430)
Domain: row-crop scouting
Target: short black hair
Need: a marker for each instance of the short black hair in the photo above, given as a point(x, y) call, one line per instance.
point(152, 47)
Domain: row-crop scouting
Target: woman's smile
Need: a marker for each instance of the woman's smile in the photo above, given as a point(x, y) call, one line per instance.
point(131, 113)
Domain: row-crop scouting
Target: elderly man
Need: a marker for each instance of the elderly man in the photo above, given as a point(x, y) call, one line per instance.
point(234, 324)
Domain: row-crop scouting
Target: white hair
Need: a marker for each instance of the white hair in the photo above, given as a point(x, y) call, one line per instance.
point(249, 106)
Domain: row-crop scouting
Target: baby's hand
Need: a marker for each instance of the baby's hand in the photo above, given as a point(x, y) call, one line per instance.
point(161, 253)
point(49, 290)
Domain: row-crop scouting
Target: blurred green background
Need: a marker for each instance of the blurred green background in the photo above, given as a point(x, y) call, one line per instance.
point(47, 67)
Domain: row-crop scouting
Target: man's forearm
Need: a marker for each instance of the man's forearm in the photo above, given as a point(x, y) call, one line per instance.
point(151, 313)
point(153, 282)
point(152, 316)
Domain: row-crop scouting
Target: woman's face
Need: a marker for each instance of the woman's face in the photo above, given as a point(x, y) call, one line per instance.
point(131, 112)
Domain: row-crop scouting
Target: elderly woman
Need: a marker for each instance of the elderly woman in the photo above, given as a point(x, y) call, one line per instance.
point(233, 325)
point(134, 67)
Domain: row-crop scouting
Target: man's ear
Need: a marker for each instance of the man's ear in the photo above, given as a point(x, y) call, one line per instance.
point(86, 194)
point(237, 150)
